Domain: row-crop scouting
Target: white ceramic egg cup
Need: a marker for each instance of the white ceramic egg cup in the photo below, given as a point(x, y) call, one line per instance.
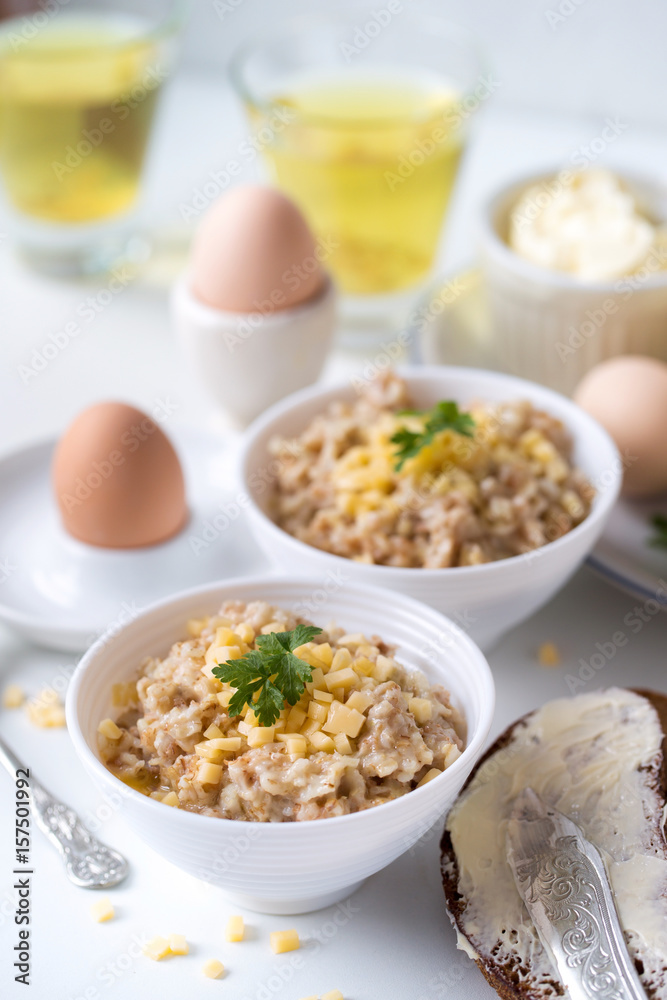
point(61, 593)
point(247, 362)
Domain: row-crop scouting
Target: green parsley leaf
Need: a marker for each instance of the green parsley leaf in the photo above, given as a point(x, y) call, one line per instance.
point(659, 540)
point(445, 415)
point(272, 670)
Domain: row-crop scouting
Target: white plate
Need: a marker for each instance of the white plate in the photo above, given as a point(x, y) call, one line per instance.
point(454, 328)
point(61, 593)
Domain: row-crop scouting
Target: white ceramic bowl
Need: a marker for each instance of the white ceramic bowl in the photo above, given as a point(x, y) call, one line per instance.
point(288, 867)
point(553, 327)
point(485, 600)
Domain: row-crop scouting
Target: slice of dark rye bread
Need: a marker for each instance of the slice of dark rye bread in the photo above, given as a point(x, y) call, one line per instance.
point(503, 978)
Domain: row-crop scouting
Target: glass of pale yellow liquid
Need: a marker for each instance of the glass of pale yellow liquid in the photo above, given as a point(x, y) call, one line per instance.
point(79, 82)
point(362, 120)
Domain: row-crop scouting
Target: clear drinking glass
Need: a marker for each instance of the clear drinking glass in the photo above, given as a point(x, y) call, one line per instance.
point(362, 120)
point(79, 82)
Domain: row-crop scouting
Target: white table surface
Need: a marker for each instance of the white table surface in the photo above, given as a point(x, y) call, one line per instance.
point(394, 939)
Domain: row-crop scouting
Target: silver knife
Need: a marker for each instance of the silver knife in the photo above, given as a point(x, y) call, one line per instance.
point(562, 879)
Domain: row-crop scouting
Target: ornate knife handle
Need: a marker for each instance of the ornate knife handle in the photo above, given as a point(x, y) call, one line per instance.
point(88, 862)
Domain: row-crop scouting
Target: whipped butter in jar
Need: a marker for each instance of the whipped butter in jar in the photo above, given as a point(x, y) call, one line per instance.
point(575, 271)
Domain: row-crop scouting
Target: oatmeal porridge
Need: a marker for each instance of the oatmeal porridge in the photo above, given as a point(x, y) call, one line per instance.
point(364, 730)
point(505, 487)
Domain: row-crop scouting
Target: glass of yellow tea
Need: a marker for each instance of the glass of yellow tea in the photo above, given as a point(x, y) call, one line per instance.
point(363, 124)
point(79, 82)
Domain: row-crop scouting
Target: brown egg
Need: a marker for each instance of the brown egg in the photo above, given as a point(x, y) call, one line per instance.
point(117, 479)
point(628, 396)
point(253, 252)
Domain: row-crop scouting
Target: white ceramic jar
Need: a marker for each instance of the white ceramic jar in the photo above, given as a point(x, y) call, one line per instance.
point(552, 327)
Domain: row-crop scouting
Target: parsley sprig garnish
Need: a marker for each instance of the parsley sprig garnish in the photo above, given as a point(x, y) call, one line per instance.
point(444, 416)
point(659, 540)
point(272, 670)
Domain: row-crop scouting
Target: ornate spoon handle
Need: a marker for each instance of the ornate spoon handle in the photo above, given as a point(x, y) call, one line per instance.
point(88, 862)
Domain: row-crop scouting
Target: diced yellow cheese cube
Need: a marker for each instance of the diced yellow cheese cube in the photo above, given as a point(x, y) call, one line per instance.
point(295, 720)
point(421, 708)
point(224, 698)
point(453, 753)
point(213, 732)
point(325, 652)
point(282, 941)
point(196, 626)
point(322, 695)
point(361, 700)
point(157, 948)
point(548, 655)
point(246, 633)
point(213, 969)
point(102, 910)
point(260, 736)
point(171, 799)
point(226, 743)
point(45, 711)
point(351, 641)
point(235, 929)
point(317, 712)
point(322, 742)
point(250, 718)
point(342, 658)
point(342, 719)
point(345, 678)
point(296, 746)
point(178, 945)
point(332, 995)
point(207, 752)
point(429, 776)
point(208, 773)
point(123, 694)
point(310, 727)
point(383, 669)
point(364, 666)
point(244, 728)
point(273, 627)
point(226, 637)
point(342, 744)
point(13, 696)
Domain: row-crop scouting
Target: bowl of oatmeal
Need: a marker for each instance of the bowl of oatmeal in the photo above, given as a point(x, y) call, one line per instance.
point(476, 492)
point(290, 814)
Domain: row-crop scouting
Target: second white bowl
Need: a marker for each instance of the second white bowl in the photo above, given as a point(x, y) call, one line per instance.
point(484, 600)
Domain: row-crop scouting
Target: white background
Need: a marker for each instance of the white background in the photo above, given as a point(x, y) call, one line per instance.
point(558, 83)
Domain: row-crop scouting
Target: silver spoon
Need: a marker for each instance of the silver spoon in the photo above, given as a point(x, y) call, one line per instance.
point(88, 863)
